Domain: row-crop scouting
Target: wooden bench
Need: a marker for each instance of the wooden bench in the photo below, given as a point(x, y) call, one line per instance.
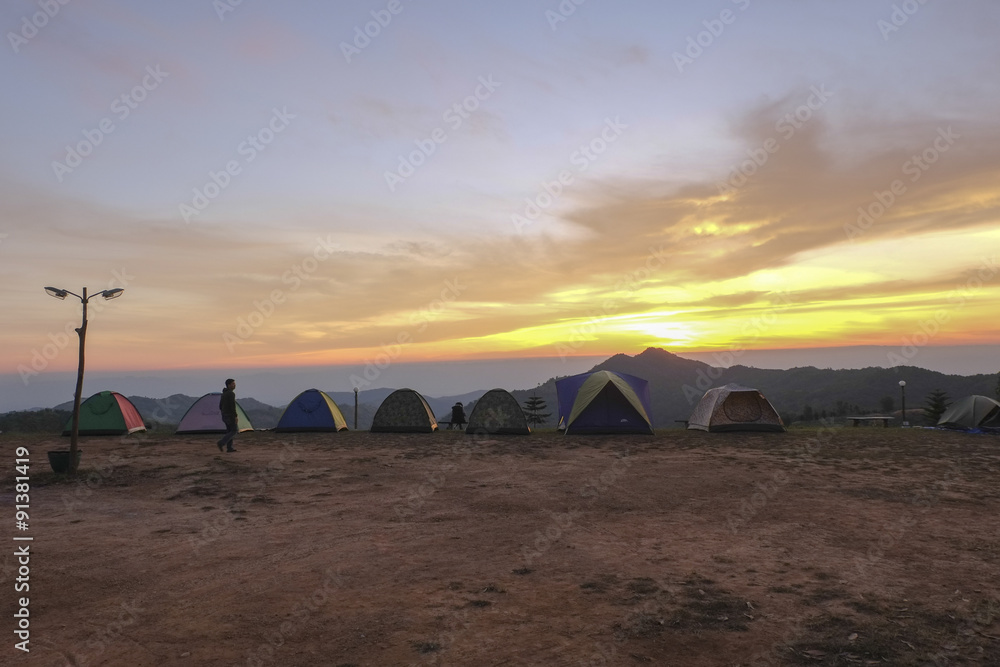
point(855, 421)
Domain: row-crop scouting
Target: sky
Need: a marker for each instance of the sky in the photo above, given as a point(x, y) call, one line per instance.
point(378, 184)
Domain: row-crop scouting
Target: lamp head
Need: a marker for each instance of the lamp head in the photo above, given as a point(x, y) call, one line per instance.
point(56, 292)
point(112, 293)
point(902, 383)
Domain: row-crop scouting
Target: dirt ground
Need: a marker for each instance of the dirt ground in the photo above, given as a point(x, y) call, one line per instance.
point(828, 546)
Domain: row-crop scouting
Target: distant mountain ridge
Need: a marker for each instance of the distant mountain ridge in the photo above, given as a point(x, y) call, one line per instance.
point(676, 384)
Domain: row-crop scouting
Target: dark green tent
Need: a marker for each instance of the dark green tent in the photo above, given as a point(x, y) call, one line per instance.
point(404, 411)
point(497, 412)
point(972, 412)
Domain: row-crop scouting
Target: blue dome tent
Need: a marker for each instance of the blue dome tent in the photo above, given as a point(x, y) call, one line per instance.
point(604, 402)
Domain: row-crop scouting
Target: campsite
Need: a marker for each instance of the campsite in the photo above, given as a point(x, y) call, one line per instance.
point(819, 546)
point(383, 333)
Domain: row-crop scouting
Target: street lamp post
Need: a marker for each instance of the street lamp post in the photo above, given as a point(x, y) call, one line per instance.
point(82, 332)
point(355, 408)
point(902, 389)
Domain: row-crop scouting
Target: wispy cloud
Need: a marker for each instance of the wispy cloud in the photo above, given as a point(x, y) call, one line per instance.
point(903, 133)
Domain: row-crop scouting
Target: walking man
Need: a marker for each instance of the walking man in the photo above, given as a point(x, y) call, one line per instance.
point(227, 406)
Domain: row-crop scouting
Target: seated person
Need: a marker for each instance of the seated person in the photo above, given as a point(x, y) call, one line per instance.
point(457, 416)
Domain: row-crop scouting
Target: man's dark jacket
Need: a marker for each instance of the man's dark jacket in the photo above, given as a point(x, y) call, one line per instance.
point(227, 404)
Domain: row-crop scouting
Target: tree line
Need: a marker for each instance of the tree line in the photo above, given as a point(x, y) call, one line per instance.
point(48, 420)
point(936, 403)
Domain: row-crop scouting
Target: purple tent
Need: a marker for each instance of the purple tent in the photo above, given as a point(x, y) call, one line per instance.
point(204, 417)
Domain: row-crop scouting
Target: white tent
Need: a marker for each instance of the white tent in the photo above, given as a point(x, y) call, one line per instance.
point(734, 408)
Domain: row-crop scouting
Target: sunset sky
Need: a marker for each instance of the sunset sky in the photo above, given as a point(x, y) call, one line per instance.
point(274, 187)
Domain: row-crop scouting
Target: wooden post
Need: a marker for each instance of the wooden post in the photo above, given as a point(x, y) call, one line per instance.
point(75, 432)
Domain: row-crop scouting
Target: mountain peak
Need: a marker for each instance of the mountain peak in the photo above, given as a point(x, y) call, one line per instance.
point(651, 361)
point(655, 353)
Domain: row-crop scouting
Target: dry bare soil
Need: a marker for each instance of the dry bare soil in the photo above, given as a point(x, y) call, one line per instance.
point(831, 546)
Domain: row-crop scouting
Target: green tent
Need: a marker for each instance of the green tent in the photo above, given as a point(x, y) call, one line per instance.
point(107, 413)
point(972, 412)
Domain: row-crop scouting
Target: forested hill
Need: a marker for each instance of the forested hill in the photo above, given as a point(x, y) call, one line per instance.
point(677, 384)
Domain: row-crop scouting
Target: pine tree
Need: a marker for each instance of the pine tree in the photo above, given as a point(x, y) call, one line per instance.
point(532, 410)
point(997, 390)
point(937, 403)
